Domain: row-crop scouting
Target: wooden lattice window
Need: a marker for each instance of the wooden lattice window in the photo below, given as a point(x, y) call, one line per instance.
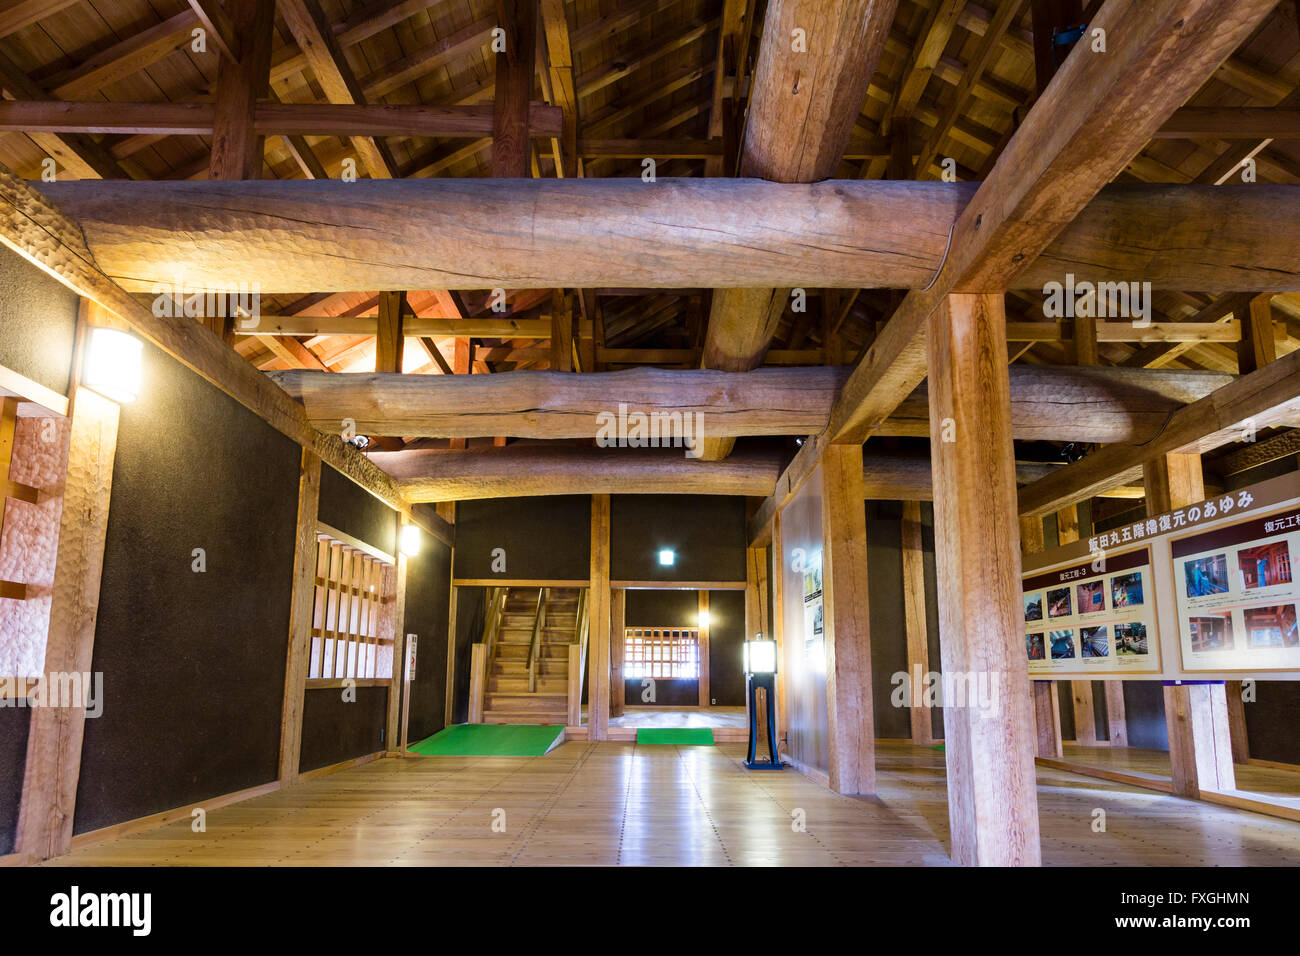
point(661, 652)
point(351, 635)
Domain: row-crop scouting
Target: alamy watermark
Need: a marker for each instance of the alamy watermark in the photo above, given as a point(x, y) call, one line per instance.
point(57, 689)
point(655, 429)
point(1098, 300)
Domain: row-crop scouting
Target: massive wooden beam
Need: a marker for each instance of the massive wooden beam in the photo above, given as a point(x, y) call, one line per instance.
point(1070, 403)
point(1097, 112)
point(39, 232)
point(522, 470)
point(327, 235)
point(802, 108)
point(1265, 398)
point(538, 404)
point(306, 119)
point(1049, 403)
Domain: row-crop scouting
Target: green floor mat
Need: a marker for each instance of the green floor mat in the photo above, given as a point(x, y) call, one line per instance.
point(490, 740)
point(675, 736)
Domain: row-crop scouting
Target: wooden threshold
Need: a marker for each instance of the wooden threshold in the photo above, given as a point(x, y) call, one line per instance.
point(679, 585)
point(1159, 784)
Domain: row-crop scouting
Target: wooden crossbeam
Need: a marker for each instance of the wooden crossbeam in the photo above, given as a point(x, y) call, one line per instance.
point(524, 470)
point(1241, 122)
point(307, 326)
point(1066, 150)
point(296, 236)
point(1265, 398)
point(305, 119)
point(1047, 402)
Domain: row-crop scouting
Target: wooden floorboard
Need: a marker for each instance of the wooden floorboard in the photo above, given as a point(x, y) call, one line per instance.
point(619, 803)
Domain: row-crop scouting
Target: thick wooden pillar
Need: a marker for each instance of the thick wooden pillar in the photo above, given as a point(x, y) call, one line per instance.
point(1196, 715)
point(756, 625)
point(1085, 721)
point(703, 614)
point(389, 340)
point(1116, 718)
point(914, 619)
point(598, 602)
point(1046, 703)
point(992, 797)
point(49, 793)
point(617, 633)
point(236, 145)
point(1257, 347)
point(301, 612)
point(783, 647)
point(392, 618)
point(513, 90)
point(1237, 721)
point(845, 613)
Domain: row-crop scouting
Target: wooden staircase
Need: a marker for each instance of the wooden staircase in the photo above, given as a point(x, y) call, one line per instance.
point(537, 624)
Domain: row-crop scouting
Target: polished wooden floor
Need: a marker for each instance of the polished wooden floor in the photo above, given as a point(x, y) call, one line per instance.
point(619, 803)
point(669, 717)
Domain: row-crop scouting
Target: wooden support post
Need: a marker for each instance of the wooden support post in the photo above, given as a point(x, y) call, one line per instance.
point(562, 332)
point(756, 625)
point(703, 622)
point(49, 793)
point(1047, 705)
point(598, 602)
point(477, 682)
point(1116, 718)
point(462, 354)
point(1237, 721)
point(514, 86)
point(992, 796)
point(236, 144)
point(1047, 17)
point(918, 644)
point(845, 614)
point(392, 624)
point(778, 629)
point(617, 627)
point(389, 340)
point(1085, 720)
point(1256, 347)
point(301, 613)
point(1196, 715)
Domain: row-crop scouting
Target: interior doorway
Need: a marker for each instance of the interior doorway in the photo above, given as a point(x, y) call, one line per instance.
point(675, 660)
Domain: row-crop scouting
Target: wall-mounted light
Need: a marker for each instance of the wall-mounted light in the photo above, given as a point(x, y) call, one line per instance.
point(666, 557)
point(112, 364)
point(410, 540)
point(760, 656)
point(704, 619)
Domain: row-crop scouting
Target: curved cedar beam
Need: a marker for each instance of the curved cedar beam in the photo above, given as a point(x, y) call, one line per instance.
point(526, 470)
point(1057, 403)
point(535, 404)
point(327, 235)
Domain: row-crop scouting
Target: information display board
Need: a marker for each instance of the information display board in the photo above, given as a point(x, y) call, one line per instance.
point(1237, 596)
point(1096, 616)
point(1202, 592)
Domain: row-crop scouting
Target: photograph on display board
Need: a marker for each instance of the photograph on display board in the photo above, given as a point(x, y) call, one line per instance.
point(1265, 565)
point(1126, 590)
point(1034, 647)
point(1092, 597)
point(1271, 626)
point(1211, 632)
point(1094, 642)
point(1062, 645)
point(1206, 576)
point(1058, 603)
point(1130, 639)
point(1034, 606)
